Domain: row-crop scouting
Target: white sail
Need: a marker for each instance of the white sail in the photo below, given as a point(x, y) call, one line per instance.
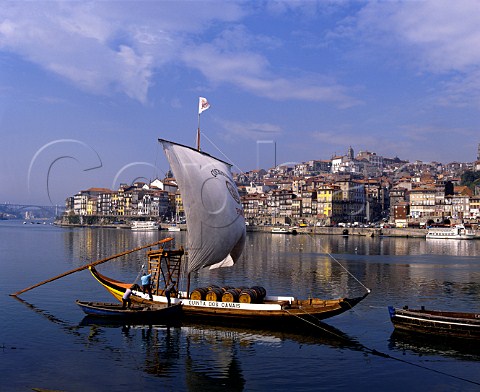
point(215, 221)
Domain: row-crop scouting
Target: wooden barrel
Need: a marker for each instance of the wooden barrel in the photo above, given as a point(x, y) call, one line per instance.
point(248, 296)
point(261, 292)
point(214, 294)
point(199, 293)
point(231, 295)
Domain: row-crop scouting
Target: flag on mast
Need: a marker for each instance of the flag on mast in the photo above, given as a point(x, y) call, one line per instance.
point(202, 104)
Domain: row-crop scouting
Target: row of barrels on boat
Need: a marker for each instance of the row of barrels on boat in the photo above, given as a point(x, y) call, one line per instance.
point(250, 295)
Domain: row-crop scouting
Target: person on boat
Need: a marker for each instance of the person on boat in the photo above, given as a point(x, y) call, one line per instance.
point(146, 284)
point(168, 290)
point(126, 301)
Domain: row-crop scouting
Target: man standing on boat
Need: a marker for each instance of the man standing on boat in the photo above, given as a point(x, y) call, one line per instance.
point(126, 301)
point(146, 284)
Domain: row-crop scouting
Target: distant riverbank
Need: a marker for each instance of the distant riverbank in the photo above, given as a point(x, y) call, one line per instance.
point(61, 223)
point(315, 230)
point(360, 231)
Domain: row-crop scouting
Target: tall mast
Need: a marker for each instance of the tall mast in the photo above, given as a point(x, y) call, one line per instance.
point(198, 133)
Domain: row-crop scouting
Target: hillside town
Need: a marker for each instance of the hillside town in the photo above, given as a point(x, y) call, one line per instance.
point(365, 190)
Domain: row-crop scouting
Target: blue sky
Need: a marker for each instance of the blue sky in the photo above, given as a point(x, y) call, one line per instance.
point(86, 88)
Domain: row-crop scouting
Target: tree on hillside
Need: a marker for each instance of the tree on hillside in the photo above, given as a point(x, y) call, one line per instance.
point(469, 178)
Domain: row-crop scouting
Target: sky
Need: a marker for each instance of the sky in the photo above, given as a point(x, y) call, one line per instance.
point(87, 88)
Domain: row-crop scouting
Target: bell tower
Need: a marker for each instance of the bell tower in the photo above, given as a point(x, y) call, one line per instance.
point(350, 153)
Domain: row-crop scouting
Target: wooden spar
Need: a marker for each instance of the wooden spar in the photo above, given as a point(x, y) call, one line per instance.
point(91, 265)
point(188, 286)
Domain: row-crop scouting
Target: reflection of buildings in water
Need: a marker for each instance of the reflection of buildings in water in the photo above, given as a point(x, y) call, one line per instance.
point(86, 245)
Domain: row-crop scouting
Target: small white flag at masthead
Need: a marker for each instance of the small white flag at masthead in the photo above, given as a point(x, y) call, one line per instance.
point(202, 104)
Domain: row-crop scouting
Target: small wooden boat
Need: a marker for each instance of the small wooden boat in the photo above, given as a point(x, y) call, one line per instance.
point(436, 323)
point(136, 311)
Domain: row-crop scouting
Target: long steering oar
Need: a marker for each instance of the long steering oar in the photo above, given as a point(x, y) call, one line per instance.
point(91, 265)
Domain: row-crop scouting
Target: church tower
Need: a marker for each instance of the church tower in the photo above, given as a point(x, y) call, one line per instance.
point(350, 153)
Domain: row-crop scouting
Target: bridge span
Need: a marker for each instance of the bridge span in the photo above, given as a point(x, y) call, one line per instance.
point(21, 211)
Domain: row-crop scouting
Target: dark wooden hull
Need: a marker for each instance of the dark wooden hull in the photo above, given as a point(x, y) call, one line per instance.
point(137, 312)
point(302, 313)
point(436, 323)
point(279, 313)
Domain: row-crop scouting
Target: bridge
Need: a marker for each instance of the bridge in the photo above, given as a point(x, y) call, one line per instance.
point(20, 211)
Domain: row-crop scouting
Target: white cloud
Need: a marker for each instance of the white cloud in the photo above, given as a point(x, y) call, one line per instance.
point(106, 47)
point(253, 73)
point(438, 37)
point(248, 130)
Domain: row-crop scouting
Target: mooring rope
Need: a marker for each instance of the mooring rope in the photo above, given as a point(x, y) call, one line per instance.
point(311, 323)
point(372, 350)
point(341, 265)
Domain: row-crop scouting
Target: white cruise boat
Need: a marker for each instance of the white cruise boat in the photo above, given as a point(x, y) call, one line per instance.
point(284, 230)
point(280, 230)
point(145, 226)
point(457, 232)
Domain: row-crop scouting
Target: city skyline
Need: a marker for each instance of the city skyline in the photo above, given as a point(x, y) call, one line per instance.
point(87, 88)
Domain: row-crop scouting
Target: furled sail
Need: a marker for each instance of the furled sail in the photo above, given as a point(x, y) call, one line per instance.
point(215, 221)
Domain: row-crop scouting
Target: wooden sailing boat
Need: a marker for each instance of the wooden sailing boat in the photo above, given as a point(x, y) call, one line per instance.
point(216, 238)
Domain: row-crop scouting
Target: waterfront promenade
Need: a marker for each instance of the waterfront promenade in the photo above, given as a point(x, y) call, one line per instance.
point(357, 231)
point(314, 230)
point(310, 230)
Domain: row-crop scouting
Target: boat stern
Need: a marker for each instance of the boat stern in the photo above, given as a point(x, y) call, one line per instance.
point(391, 312)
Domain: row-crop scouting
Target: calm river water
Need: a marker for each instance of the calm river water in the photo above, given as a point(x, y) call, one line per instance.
point(45, 342)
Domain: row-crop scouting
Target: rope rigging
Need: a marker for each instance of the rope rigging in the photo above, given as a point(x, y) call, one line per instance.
point(340, 264)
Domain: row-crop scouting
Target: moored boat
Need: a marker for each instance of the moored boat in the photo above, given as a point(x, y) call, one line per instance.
point(137, 311)
point(284, 230)
point(144, 226)
point(436, 323)
point(457, 232)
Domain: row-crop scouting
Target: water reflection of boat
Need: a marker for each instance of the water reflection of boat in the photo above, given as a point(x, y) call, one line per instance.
point(216, 238)
point(434, 346)
point(210, 354)
point(323, 334)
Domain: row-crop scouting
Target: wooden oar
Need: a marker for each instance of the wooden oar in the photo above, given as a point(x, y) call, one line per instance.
point(91, 265)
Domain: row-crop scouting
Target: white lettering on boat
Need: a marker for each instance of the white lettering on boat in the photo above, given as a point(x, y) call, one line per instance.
point(211, 304)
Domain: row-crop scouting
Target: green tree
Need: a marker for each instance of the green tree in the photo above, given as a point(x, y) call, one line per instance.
point(469, 178)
